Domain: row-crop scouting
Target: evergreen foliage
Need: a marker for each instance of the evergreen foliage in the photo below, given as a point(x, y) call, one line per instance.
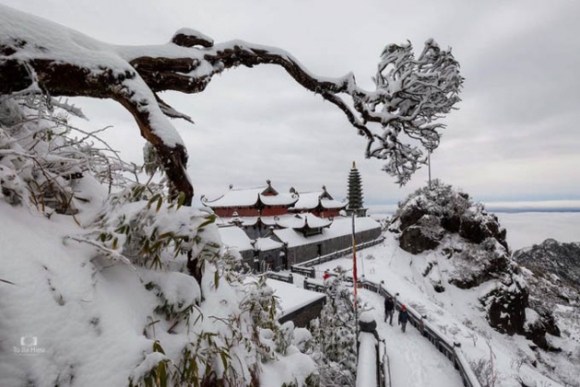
point(334, 335)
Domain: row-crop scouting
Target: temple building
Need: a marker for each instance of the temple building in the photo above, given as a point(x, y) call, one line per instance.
point(258, 211)
point(273, 231)
point(263, 201)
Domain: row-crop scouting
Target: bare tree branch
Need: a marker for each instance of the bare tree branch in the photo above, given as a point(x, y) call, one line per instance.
point(397, 118)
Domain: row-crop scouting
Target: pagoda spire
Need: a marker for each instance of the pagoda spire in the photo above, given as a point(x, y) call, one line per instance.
point(355, 193)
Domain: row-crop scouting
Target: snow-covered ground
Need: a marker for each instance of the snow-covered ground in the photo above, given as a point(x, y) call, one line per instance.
point(63, 318)
point(456, 313)
point(414, 361)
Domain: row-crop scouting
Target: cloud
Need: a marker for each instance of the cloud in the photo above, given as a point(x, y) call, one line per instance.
point(514, 136)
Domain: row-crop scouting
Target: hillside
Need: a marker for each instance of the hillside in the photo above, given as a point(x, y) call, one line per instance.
point(552, 271)
point(553, 257)
point(448, 258)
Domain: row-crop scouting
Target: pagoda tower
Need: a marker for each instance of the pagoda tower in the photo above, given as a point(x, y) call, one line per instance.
point(355, 193)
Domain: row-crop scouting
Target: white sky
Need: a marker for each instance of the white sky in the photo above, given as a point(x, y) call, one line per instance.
point(515, 137)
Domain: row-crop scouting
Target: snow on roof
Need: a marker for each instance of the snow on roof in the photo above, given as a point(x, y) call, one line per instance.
point(235, 237)
point(310, 200)
point(301, 220)
point(291, 296)
point(339, 227)
point(307, 201)
point(283, 199)
point(246, 220)
point(249, 197)
point(237, 198)
point(330, 204)
point(314, 221)
point(265, 244)
point(274, 220)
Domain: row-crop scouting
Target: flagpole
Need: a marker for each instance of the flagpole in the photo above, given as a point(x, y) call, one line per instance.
point(354, 275)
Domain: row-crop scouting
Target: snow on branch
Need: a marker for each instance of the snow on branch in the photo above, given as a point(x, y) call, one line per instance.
point(398, 118)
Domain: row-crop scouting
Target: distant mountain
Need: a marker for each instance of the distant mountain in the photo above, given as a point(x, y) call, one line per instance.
point(553, 258)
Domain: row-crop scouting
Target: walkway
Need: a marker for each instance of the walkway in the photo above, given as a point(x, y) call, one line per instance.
point(415, 362)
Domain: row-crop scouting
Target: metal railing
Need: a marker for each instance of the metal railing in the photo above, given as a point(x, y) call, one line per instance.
point(447, 347)
point(308, 272)
point(284, 277)
point(450, 349)
point(309, 285)
point(340, 253)
point(384, 365)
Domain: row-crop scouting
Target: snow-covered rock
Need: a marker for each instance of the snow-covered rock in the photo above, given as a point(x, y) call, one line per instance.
point(466, 247)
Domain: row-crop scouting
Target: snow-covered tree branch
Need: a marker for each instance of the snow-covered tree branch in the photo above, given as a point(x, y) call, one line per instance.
point(397, 118)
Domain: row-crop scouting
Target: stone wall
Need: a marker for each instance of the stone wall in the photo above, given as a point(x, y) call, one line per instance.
point(302, 253)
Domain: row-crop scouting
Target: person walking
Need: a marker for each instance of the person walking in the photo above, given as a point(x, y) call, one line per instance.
point(403, 317)
point(389, 309)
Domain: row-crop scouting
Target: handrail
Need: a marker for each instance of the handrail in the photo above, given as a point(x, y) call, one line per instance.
point(280, 277)
point(368, 379)
point(385, 366)
point(309, 285)
point(450, 349)
point(305, 268)
point(340, 253)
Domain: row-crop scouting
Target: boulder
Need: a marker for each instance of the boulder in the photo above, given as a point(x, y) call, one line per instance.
point(535, 329)
point(410, 216)
point(506, 306)
point(479, 263)
point(416, 239)
point(451, 223)
point(473, 230)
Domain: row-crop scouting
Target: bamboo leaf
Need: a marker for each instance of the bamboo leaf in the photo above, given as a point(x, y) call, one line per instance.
point(209, 220)
point(224, 357)
point(157, 347)
point(180, 199)
point(154, 198)
point(162, 376)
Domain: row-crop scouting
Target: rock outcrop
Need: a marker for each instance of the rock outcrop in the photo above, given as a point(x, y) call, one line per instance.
point(427, 214)
point(506, 305)
point(470, 249)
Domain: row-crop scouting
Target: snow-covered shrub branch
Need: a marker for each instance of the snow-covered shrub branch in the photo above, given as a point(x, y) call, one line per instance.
point(334, 336)
point(42, 157)
point(411, 93)
point(216, 330)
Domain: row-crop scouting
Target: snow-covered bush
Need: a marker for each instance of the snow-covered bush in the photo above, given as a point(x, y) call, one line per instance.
point(134, 238)
point(334, 336)
point(147, 227)
point(42, 157)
